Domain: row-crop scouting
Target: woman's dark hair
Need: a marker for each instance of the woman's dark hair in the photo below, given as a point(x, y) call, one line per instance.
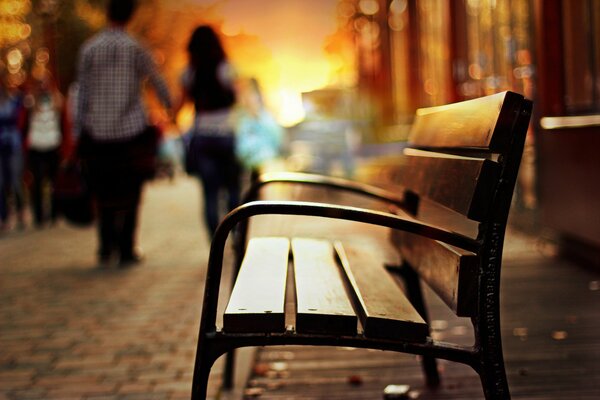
point(206, 55)
point(121, 10)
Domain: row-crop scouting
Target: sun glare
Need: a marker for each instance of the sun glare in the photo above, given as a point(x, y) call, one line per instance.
point(291, 37)
point(290, 110)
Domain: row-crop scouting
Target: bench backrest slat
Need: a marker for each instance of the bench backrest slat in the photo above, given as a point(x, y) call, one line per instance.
point(463, 184)
point(484, 123)
point(451, 272)
point(463, 157)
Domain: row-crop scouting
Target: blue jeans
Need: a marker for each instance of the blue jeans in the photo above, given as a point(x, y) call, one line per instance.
point(217, 168)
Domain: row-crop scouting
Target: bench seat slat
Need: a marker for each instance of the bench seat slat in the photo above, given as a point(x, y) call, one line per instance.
point(323, 305)
point(386, 311)
point(257, 301)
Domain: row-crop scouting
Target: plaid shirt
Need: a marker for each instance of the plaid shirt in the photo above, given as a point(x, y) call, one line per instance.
point(112, 69)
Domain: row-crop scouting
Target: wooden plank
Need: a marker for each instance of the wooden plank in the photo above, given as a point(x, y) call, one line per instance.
point(385, 310)
point(484, 123)
point(538, 366)
point(451, 272)
point(323, 305)
point(257, 301)
point(463, 184)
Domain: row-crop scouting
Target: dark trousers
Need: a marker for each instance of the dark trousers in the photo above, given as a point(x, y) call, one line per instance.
point(43, 166)
point(117, 224)
point(116, 172)
point(11, 171)
point(218, 169)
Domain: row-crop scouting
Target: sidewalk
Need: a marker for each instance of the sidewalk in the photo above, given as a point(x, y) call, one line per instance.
point(71, 331)
point(550, 330)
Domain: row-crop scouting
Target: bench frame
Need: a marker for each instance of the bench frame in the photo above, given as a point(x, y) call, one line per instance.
point(485, 356)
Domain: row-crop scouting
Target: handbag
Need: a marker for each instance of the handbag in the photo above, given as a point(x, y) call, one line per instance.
point(258, 140)
point(72, 195)
point(190, 155)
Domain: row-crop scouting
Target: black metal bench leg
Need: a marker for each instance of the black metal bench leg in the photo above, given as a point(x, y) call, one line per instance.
point(201, 375)
point(491, 369)
point(432, 375)
point(239, 247)
point(415, 294)
point(494, 383)
point(229, 370)
point(200, 383)
point(205, 358)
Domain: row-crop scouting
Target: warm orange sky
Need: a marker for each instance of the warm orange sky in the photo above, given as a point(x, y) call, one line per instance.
point(294, 32)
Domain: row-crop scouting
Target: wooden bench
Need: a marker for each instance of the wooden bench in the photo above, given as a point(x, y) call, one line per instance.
point(448, 198)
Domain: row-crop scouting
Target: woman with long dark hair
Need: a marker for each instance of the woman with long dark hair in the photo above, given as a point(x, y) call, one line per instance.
point(208, 82)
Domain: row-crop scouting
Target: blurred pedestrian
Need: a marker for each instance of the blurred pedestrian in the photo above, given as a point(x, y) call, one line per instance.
point(116, 139)
point(71, 110)
point(11, 154)
point(258, 135)
point(46, 143)
point(208, 82)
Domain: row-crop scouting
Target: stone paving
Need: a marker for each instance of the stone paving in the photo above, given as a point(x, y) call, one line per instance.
point(71, 331)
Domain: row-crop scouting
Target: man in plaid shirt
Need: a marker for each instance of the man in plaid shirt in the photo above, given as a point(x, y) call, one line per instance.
point(116, 142)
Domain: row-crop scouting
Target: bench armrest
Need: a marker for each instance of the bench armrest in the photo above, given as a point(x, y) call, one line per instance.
point(325, 181)
point(245, 211)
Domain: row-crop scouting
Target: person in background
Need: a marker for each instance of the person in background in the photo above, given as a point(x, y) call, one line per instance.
point(11, 154)
point(71, 111)
point(115, 135)
point(46, 144)
point(258, 135)
point(208, 82)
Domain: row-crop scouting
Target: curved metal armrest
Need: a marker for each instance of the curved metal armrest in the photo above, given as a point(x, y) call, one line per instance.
point(326, 181)
point(245, 211)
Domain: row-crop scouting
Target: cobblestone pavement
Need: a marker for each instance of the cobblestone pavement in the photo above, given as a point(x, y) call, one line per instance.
point(71, 331)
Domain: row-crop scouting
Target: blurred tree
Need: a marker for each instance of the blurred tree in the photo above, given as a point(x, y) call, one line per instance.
point(62, 26)
point(14, 36)
point(74, 26)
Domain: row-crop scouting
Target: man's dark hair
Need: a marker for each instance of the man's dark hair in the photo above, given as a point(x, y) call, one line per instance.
point(121, 10)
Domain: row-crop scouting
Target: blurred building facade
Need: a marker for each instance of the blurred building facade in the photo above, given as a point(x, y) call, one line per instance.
point(418, 53)
point(411, 54)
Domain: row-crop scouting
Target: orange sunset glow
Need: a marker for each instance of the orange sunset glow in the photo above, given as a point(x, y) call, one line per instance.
point(281, 43)
point(290, 46)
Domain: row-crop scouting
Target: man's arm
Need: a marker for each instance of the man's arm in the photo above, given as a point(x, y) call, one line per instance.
point(149, 69)
point(81, 95)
